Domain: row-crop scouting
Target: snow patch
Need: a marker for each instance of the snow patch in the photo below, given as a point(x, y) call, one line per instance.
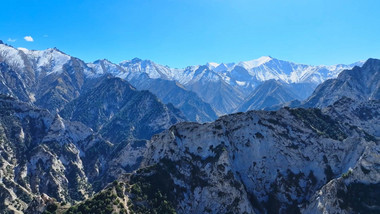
point(241, 83)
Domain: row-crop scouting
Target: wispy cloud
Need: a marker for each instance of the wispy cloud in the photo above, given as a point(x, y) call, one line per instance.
point(29, 39)
point(45, 35)
point(11, 40)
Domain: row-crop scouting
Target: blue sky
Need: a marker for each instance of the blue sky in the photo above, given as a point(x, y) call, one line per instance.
point(188, 32)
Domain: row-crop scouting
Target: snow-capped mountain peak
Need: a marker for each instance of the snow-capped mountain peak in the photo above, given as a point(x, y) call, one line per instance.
point(255, 62)
point(212, 65)
point(51, 58)
point(23, 49)
point(105, 66)
point(136, 67)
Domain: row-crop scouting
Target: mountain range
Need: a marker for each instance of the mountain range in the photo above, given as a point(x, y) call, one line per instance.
point(227, 86)
point(207, 91)
point(139, 137)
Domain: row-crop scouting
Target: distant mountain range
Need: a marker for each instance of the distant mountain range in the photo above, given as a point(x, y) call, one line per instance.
point(226, 86)
point(218, 88)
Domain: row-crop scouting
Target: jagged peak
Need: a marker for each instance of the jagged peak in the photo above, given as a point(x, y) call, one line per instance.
point(371, 62)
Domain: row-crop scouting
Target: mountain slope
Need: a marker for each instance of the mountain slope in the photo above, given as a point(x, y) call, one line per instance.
point(360, 83)
point(211, 88)
point(194, 108)
point(268, 94)
point(119, 112)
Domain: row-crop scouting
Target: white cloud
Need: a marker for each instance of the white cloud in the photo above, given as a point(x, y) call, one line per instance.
point(11, 40)
point(46, 35)
point(28, 39)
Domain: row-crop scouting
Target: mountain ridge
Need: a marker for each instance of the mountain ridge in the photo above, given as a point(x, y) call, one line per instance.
point(359, 83)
